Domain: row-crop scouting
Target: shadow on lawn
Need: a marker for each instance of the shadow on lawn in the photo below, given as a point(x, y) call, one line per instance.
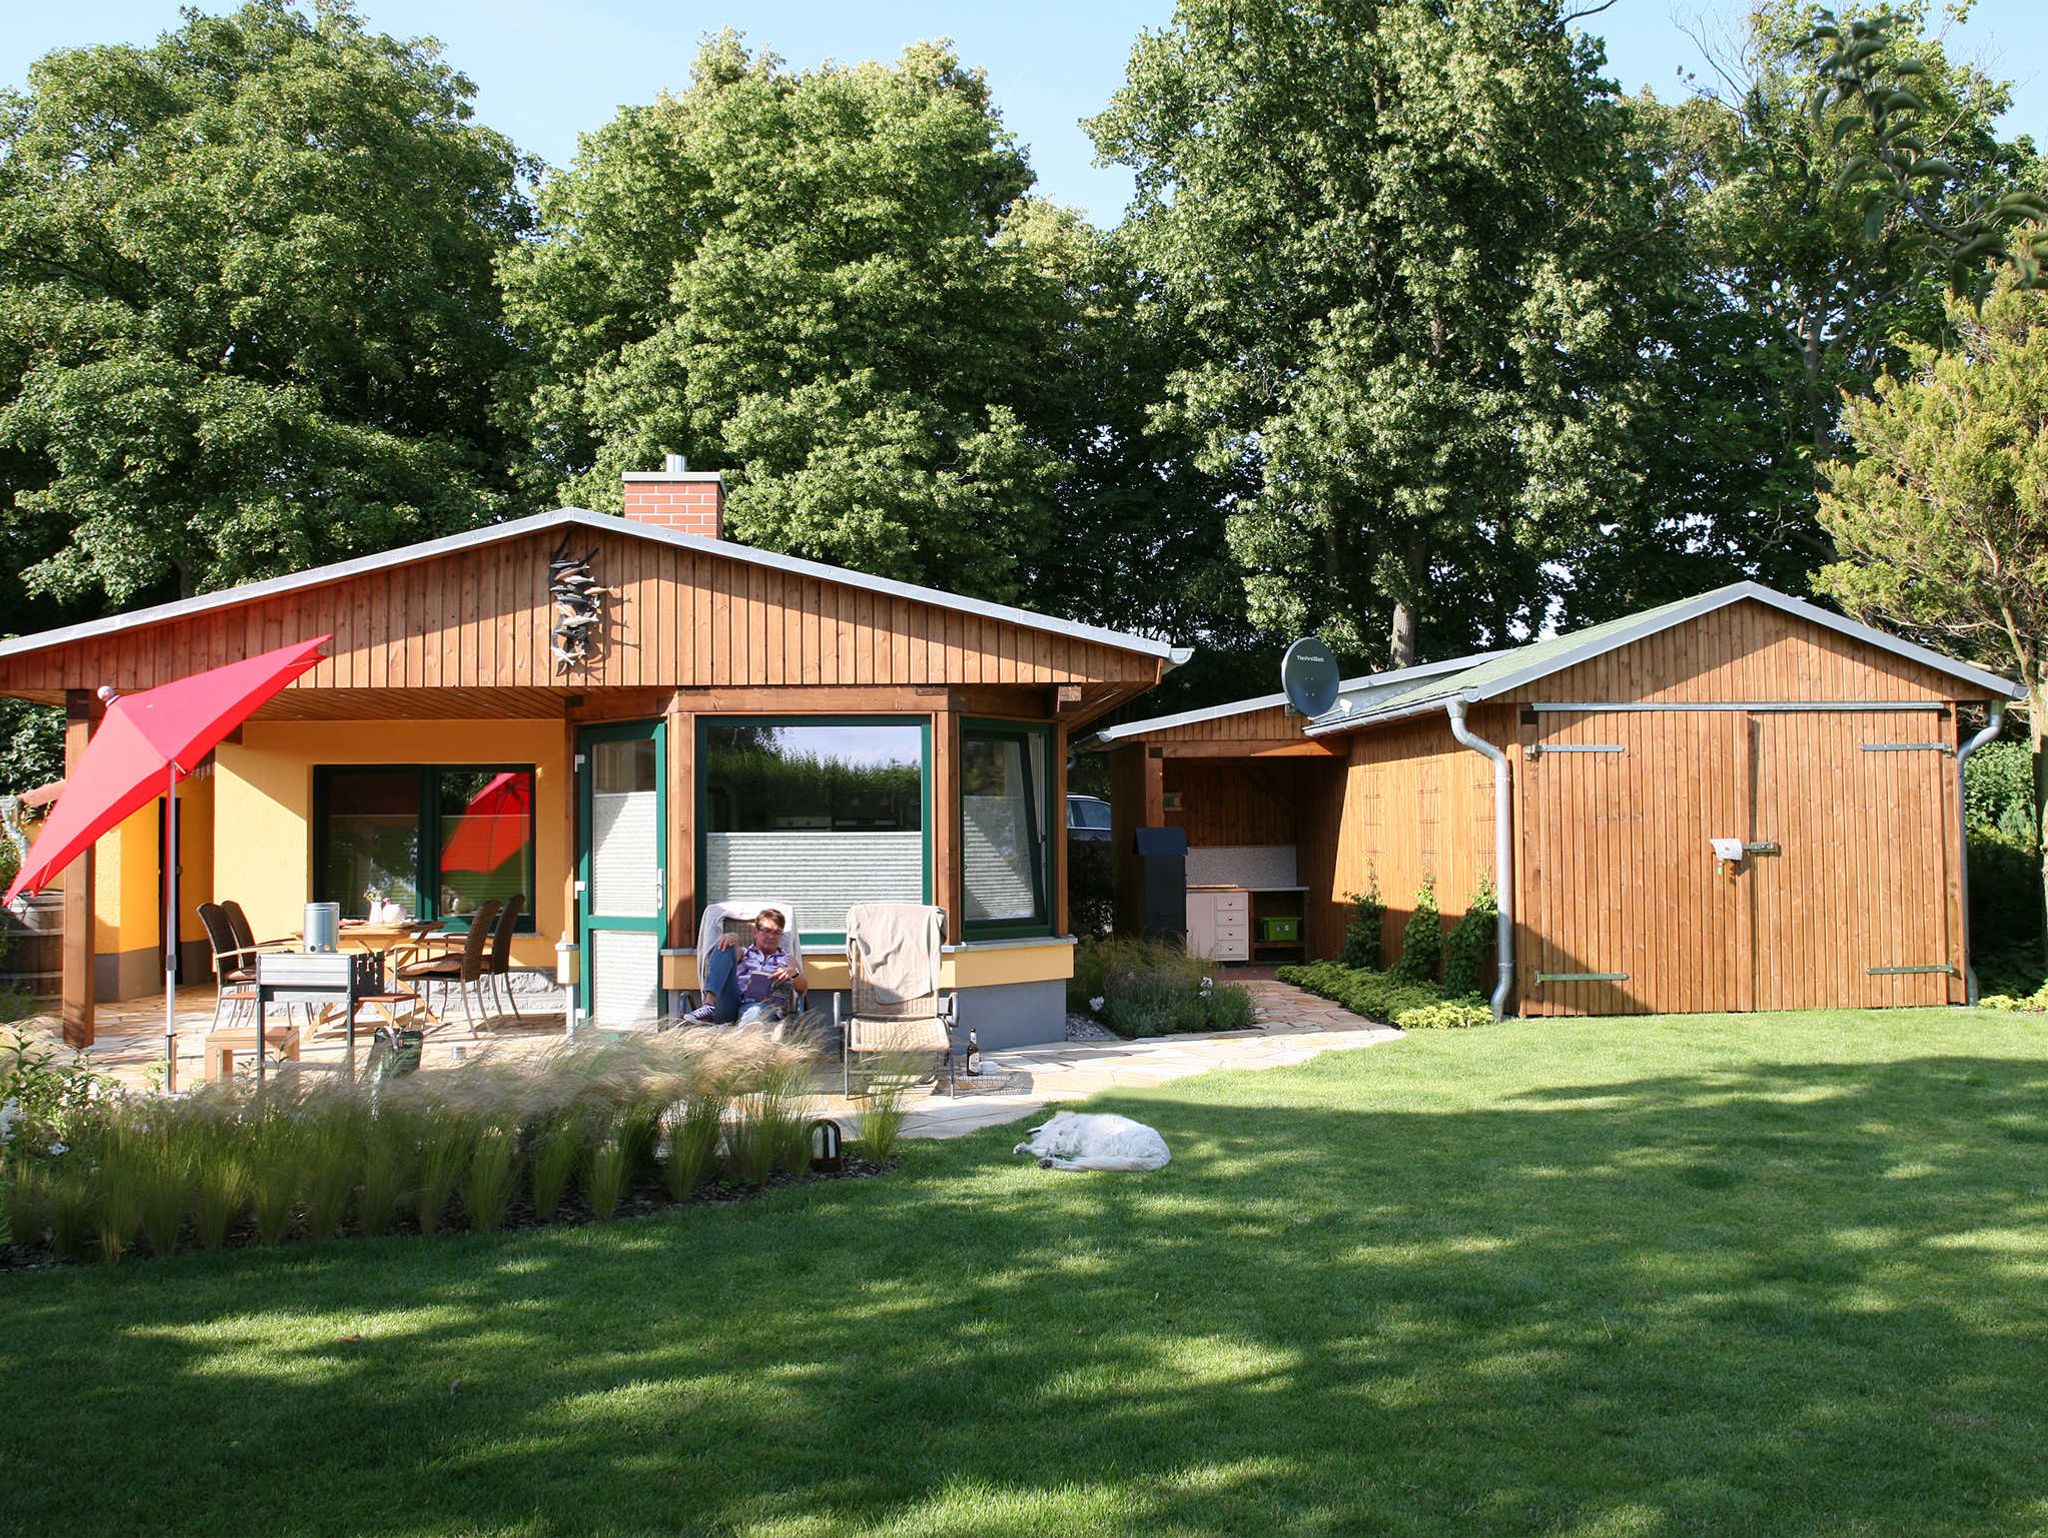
point(1786, 1298)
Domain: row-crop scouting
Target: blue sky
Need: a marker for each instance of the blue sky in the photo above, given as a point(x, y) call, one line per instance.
point(548, 70)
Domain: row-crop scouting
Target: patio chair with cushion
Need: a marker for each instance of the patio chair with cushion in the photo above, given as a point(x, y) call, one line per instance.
point(498, 969)
point(462, 970)
point(898, 1014)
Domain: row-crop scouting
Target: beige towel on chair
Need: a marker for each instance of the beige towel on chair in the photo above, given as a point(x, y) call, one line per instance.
point(899, 948)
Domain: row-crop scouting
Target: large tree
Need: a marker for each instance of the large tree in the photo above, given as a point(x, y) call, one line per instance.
point(1942, 515)
point(248, 311)
point(1813, 180)
point(802, 277)
point(1397, 234)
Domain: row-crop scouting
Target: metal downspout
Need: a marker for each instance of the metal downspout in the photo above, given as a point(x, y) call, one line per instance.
point(1991, 730)
point(1503, 855)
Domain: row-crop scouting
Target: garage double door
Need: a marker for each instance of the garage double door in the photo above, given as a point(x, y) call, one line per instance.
point(1844, 892)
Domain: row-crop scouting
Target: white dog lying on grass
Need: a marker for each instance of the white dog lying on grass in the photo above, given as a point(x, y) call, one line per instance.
point(1071, 1141)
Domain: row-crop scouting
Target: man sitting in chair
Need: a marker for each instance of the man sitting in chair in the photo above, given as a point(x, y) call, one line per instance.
point(759, 984)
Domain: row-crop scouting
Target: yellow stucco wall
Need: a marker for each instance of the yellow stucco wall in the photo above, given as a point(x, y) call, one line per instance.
point(128, 882)
point(263, 801)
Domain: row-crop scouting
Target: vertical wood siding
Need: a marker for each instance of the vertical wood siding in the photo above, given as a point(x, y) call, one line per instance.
point(479, 619)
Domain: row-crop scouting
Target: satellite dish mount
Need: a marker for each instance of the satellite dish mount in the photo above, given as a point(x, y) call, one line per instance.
point(1308, 676)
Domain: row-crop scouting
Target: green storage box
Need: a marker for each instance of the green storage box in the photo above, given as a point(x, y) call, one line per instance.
point(1283, 927)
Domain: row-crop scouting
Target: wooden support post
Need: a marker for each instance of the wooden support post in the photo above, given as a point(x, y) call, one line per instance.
point(1136, 800)
point(81, 710)
point(682, 826)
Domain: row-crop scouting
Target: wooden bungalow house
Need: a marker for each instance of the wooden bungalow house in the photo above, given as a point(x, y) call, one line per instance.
point(730, 724)
point(1738, 801)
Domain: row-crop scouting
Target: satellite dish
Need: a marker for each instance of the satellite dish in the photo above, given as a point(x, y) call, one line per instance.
point(1308, 676)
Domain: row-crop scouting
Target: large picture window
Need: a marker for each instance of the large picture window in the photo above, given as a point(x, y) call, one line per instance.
point(1005, 830)
point(438, 840)
point(818, 813)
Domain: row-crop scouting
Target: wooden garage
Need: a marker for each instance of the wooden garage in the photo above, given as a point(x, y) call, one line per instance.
point(1823, 754)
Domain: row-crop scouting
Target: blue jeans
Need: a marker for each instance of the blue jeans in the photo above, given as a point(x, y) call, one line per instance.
point(721, 986)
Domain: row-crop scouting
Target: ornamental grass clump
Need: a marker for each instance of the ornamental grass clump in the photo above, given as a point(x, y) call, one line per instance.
point(304, 1155)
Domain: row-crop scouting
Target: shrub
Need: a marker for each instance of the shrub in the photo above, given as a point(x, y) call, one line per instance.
point(1451, 1014)
point(2005, 893)
point(1422, 942)
point(46, 1101)
point(1469, 945)
point(1375, 995)
point(1366, 932)
point(1144, 988)
point(1998, 790)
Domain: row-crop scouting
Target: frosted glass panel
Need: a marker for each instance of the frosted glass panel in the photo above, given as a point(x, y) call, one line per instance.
point(625, 854)
point(821, 875)
point(625, 976)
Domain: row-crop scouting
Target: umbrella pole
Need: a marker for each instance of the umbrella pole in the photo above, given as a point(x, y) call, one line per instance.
point(171, 931)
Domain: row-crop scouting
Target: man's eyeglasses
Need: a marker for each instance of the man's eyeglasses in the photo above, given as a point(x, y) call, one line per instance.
point(767, 929)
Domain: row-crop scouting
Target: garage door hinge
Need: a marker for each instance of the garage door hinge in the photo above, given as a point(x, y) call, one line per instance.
point(1907, 747)
point(1537, 750)
point(1947, 969)
point(1580, 977)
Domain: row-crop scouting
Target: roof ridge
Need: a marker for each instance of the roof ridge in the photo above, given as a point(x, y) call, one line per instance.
point(533, 523)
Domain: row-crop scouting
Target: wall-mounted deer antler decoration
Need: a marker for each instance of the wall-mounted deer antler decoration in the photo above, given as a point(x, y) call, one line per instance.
point(580, 601)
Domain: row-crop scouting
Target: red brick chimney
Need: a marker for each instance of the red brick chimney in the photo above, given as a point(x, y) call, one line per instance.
point(675, 497)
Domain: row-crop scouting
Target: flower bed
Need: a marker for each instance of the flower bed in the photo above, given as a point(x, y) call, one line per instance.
point(1141, 988)
point(592, 1131)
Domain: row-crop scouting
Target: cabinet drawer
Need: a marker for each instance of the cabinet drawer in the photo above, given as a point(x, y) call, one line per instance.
point(1228, 902)
point(1232, 929)
point(1230, 950)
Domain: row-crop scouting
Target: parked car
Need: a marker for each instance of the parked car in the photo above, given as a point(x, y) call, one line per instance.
point(1087, 817)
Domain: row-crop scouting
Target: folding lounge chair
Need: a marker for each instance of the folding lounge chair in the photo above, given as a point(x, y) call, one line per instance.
point(892, 961)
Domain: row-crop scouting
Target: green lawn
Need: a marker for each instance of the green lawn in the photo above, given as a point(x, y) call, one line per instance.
point(1766, 1274)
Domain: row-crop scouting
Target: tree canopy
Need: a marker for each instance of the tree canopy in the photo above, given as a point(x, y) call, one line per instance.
point(248, 316)
point(1397, 237)
point(802, 277)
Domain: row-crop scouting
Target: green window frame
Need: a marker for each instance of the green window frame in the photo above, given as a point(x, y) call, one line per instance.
point(808, 934)
point(1025, 733)
point(427, 857)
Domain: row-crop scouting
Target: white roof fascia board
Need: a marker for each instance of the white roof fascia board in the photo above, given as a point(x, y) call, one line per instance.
point(579, 517)
point(1268, 701)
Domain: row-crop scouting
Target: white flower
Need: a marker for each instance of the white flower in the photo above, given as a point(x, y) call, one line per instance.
point(1097, 1002)
point(60, 1148)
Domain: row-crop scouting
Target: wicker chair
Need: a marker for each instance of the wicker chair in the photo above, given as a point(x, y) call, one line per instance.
point(498, 969)
point(463, 970)
point(893, 1029)
point(234, 966)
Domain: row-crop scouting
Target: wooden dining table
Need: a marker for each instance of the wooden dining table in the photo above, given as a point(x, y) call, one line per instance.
point(397, 940)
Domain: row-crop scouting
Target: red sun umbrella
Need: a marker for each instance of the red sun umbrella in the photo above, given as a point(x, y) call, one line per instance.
point(147, 743)
point(492, 826)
